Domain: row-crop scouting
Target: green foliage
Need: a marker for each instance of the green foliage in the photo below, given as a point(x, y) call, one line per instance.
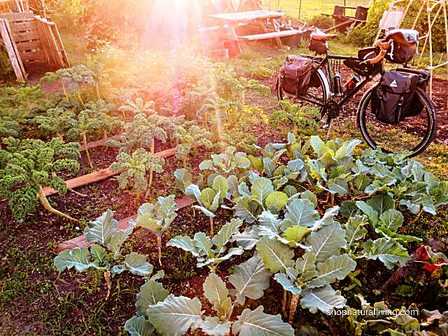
point(321, 21)
point(9, 127)
point(159, 216)
point(189, 138)
point(78, 74)
point(143, 131)
point(210, 251)
point(302, 120)
point(17, 102)
point(249, 279)
point(364, 34)
point(136, 169)
point(27, 166)
point(58, 121)
point(230, 162)
point(6, 70)
point(105, 252)
point(399, 322)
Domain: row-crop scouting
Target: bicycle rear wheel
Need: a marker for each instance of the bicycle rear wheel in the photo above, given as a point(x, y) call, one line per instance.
point(411, 136)
point(316, 95)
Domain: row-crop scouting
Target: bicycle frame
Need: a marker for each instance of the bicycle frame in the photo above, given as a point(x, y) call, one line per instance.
point(324, 63)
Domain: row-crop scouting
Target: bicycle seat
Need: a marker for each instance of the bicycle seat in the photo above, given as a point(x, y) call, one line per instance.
point(321, 36)
point(405, 37)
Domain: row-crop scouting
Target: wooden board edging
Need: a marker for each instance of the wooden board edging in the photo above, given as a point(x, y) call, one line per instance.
point(80, 242)
point(99, 175)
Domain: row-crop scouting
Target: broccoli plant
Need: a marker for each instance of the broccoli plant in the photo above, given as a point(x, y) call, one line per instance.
point(157, 218)
point(27, 166)
point(210, 251)
point(136, 171)
point(211, 198)
point(190, 138)
point(259, 197)
point(249, 280)
point(105, 252)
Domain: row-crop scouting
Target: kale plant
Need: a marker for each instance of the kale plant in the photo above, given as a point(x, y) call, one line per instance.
point(28, 166)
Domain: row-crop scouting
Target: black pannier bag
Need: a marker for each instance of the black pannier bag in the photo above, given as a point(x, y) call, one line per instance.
point(295, 75)
point(395, 97)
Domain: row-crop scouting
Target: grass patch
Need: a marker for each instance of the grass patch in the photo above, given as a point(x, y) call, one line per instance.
point(310, 8)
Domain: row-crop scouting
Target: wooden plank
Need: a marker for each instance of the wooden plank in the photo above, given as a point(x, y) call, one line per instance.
point(61, 49)
point(17, 16)
point(29, 45)
point(18, 27)
point(123, 224)
point(270, 35)
point(247, 16)
point(13, 53)
point(99, 175)
point(26, 36)
point(32, 56)
point(99, 143)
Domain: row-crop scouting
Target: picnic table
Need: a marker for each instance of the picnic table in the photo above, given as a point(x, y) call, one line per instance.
point(235, 19)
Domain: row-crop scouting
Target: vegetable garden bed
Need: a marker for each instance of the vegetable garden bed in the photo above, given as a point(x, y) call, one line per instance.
point(285, 235)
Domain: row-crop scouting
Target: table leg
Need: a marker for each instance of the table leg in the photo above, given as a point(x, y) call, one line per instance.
point(234, 36)
point(278, 40)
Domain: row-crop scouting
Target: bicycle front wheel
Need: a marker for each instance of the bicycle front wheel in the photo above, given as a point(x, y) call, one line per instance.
point(410, 136)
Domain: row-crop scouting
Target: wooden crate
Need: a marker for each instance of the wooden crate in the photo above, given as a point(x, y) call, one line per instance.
point(32, 43)
point(7, 6)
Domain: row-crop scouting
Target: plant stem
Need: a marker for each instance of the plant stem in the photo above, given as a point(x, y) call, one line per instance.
point(153, 146)
point(212, 229)
point(47, 206)
point(159, 247)
point(108, 283)
point(284, 302)
point(293, 308)
point(64, 89)
point(89, 160)
point(98, 93)
point(148, 191)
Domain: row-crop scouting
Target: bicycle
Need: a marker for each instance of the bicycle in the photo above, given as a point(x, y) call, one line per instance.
point(327, 91)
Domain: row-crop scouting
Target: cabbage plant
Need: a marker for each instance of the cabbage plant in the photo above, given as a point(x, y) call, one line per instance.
point(157, 217)
point(211, 251)
point(176, 315)
point(210, 199)
point(105, 252)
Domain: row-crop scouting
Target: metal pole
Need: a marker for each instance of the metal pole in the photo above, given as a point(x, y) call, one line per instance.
point(300, 9)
